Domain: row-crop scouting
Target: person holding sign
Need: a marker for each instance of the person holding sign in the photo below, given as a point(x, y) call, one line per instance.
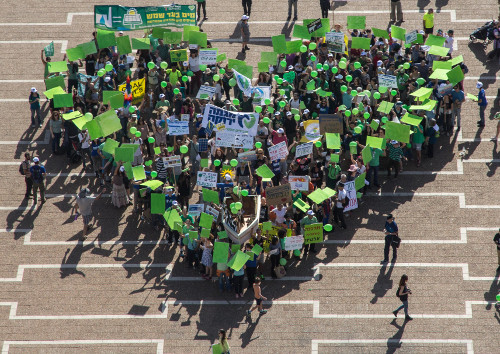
point(341, 201)
point(224, 345)
point(308, 220)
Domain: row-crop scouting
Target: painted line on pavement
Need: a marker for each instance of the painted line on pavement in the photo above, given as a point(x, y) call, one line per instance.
point(316, 342)
point(45, 141)
point(8, 343)
point(62, 42)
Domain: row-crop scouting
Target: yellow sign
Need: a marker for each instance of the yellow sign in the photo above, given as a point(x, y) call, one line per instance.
point(138, 89)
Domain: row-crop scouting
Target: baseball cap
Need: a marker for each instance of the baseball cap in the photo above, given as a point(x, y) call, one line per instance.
point(162, 95)
point(394, 142)
point(245, 17)
point(175, 202)
point(339, 77)
point(330, 54)
point(288, 113)
point(479, 84)
point(122, 169)
point(290, 67)
point(199, 116)
point(107, 79)
point(310, 212)
point(227, 177)
point(379, 63)
point(280, 131)
point(306, 111)
point(33, 89)
point(36, 159)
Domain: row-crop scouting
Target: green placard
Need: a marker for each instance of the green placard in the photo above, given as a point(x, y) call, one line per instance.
point(187, 29)
point(299, 203)
point(57, 66)
point(385, 107)
point(80, 122)
point(235, 248)
point(374, 142)
point(374, 125)
point(265, 172)
point(124, 154)
point(123, 44)
point(441, 65)
point(472, 97)
point(110, 146)
point(105, 38)
point(457, 60)
point(411, 119)
point(359, 182)
point(153, 184)
point(106, 95)
point(56, 81)
point(128, 170)
point(157, 150)
point(398, 32)
point(313, 233)
point(109, 122)
point(157, 203)
point(270, 57)
point(360, 43)
point(205, 232)
point(455, 75)
point(279, 43)
point(397, 131)
point(49, 49)
point(75, 53)
point(94, 129)
point(141, 43)
point(159, 31)
point(440, 74)
point(63, 100)
point(366, 154)
point(440, 51)
point(234, 63)
point(435, 40)
point(293, 46)
point(380, 33)
point(221, 57)
point(206, 220)
point(221, 252)
point(199, 38)
point(422, 92)
point(178, 55)
point(318, 196)
point(88, 48)
point(210, 196)
point(239, 260)
point(204, 162)
point(320, 32)
point(222, 235)
point(172, 37)
point(332, 140)
point(335, 158)
point(257, 249)
point(301, 32)
point(311, 85)
point(171, 216)
point(356, 22)
point(54, 91)
point(139, 173)
point(117, 101)
point(72, 115)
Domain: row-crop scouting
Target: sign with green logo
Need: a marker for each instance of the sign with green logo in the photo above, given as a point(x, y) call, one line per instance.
point(122, 18)
point(231, 122)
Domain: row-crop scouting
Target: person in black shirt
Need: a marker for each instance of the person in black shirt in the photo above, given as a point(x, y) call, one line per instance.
point(403, 292)
point(246, 105)
point(496, 239)
point(264, 211)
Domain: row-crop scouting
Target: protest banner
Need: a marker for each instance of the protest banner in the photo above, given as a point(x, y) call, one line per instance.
point(299, 183)
point(387, 81)
point(313, 233)
point(212, 211)
point(311, 128)
point(335, 42)
point(278, 151)
point(235, 122)
point(247, 156)
point(122, 18)
point(303, 149)
point(279, 195)
point(138, 89)
point(294, 242)
point(208, 56)
point(178, 128)
point(172, 161)
point(350, 189)
point(196, 209)
point(229, 139)
point(206, 90)
point(315, 25)
point(331, 123)
point(206, 179)
point(411, 37)
point(261, 93)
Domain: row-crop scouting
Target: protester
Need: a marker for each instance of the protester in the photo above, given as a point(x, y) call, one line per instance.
point(223, 342)
point(496, 240)
point(290, 4)
point(25, 169)
point(482, 103)
point(34, 101)
point(428, 23)
point(83, 207)
point(38, 175)
point(257, 292)
point(403, 292)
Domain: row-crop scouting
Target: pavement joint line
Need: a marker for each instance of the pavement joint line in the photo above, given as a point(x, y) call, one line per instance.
point(63, 42)
point(8, 343)
point(45, 141)
point(316, 342)
point(165, 304)
point(71, 15)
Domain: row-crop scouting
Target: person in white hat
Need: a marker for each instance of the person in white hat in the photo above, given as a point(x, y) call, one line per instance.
point(83, 206)
point(245, 31)
point(38, 175)
point(481, 102)
point(119, 196)
point(308, 220)
point(34, 101)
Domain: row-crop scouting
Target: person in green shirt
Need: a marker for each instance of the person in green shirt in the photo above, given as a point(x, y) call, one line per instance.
point(333, 176)
point(173, 74)
point(374, 165)
point(162, 102)
point(418, 139)
point(308, 220)
point(428, 23)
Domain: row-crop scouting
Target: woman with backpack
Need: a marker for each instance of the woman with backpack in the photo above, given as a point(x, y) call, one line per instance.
point(403, 292)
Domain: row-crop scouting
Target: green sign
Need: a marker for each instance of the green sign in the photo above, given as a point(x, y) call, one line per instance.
point(122, 18)
point(313, 233)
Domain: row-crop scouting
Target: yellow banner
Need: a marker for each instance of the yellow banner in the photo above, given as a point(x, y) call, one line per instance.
point(138, 89)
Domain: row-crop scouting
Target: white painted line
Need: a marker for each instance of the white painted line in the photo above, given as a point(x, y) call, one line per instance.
point(63, 42)
point(8, 343)
point(316, 342)
point(45, 141)
point(453, 14)
point(69, 20)
point(20, 82)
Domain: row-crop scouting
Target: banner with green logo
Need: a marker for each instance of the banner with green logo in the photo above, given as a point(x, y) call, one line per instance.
point(121, 18)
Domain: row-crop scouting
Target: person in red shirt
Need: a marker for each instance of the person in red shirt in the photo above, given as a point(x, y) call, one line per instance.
point(278, 136)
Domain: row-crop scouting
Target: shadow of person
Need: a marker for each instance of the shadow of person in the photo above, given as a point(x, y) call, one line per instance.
point(246, 337)
point(394, 343)
point(492, 166)
point(491, 294)
point(237, 31)
point(422, 4)
point(72, 258)
point(440, 4)
point(383, 284)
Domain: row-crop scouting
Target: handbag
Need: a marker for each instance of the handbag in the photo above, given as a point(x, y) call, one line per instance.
point(279, 271)
point(396, 241)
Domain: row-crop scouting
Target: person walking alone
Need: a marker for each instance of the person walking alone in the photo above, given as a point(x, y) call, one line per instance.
point(482, 103)
point(290, 4)
point(403, 292)
point(245, 33)
point(496, 239)
point(391, 235)
point(34, 101)
point(247, 7)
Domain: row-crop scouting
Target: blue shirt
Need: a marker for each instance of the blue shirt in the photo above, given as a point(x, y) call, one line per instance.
point(252, 263)
point(482, 97)
point(391, 227)
point(457, 96)
point(222, 187)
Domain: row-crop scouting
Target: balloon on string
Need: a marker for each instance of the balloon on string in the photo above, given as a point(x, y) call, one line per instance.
point(216, 77)
point(236, 102)
point(232, 82)
point(137, 134)
point(151, 65)
point(347, 113)
point(234, 211)
point(382, 89)
point(258, 109)
point(376, 95)
point(266, 120)
point(234, 162)
point(384, 120)
point(319, 66)
point(367, 93)
point(303, 48)
point(170, 148)
point(222, 71)
point(217, 162)
point(267, 101)
point(342, 65)
point(394, 92)
point(151, 140)
point(357, 65)
point(203, 67)
point(343, 88)
point(282, 261)
point(314, 73)
point(366, 115)
point(238, 205)
point(312, 46)
point(420, 81)
point(282, 92)
point(184, 149)
point(101, 73)
point(163, 65)
point(328, 227)
point(296, 117)
point(326, 67)
point(184, 78)
point(109, 67)
point(358, 130)
point(279, 81)
point(283, 63)
point(154, 174)
point(133, 130)
point(258, 144)
point(406, 66)
point(354, 93)
point(348, 78)
point(176, 90)
point(296, 253)
point(163, 84)
point(355, 111)
point(282, 104)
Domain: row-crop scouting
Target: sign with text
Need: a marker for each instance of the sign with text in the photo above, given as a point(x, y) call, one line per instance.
point(206, 179)
point(196, 209)
point(247, 156)
point(207, 90)
point(279, 195)
point(235, 122)
point(229, 139)
point(335, 42)
point(315, 25)
point(303, 149)
point(331, 123)
point(172, 161)
point(208, 56)
point(294, 243)
point(388, 81)
point(178, 128)
point(313, 233)
point(278, 151)
point(299, 183)
point(350, 189)
point(212, 211)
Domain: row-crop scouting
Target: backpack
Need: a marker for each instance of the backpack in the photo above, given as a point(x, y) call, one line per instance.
point(397, 292)
point(37, 174)
point(21, 169)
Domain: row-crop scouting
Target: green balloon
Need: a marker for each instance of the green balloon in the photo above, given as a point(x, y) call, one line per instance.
point(314, 73)
point(151, 140)
point(279, 81)
point(318, 144)
point(170, 148)
point(266, 120)
point(348, 78)
point(138, 134)
point(101, 73)
point(232, 82)
point(409, 145)
point(148, 163)
point(258, 144)
point(296, 253)
point(109, 67)
point(133, 130)
point(343, 88)
point(154, 174)
point(366, 115)
point(376, 95)
point(498, 297)
point(244, 193)
point(184, 149)
point(163, 65)
point(234, 211)
point(217, 162)
point(354, 93)
point(420, 81)
point(283, 63)
point(347, 113)
point(313, 58)
point(232, 205)
point(203, 67)
point(236, 102)
point(258, 109)
point(235, 191)
point(238, 205)
point(216, 77)
point(267, 101)
point(282, 261)
point(382, 89)
point(276, 77)
point(406, 66)
point(176, 91)
point(312, 46)
point(151, 65)
point(222, 71)
point(296, 117)
point(394, 92)
point(163, 84)
point(282, 92)
point(89, 115)
point(328, 227)
point(335, 70)
point(303, 48)
point(314, 115)
point(326, 67)
point(342, 65)
point(282, 104)
point(357, 65)
point(384, 119)
point(131, 109)
point(358, 130)
point(234, 162)
point(355, 111)
point(319, 66)
point(184, 78)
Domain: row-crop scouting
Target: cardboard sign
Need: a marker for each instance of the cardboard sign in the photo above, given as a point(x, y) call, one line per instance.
point(206, 90)
point(206, 179)
point(313, 233)
point(350, 189)
point(196, 209)
point(229, 139)
point(278, 151)
point(335, 42)
point(331, 123)
point(303, 149)
point(279, 195)
point(247, 156)
point(388, 81)
point(411, 37)
point(178, 128)
point(299, 183)
point(294, 242)
point(212, 211)
point(208, 56)
point(172, 161)
point(315, 25)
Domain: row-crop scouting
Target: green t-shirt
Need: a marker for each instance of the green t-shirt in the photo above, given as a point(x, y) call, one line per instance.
point(162, 104)
point(334, 171)
point(418, 137)
point(306, 221)
point(375, 161)
point(173, 76)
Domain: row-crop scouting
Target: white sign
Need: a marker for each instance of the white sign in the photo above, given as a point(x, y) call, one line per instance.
point(207, 179)
point(411, 37)
point(208, 90)
point(196, 209)
point(208, 56)
point(228, 139)
point(247, 156)
point(335, 42)
point(387, 81)
point(172, 161)
point(178, 128)
point(293, 242)
point(350, 189)
point(278, 151)
point(185, 117)
point(212, 211)
point(303, 149)
point(261, 93)
point(235, 122)
point(299, 183)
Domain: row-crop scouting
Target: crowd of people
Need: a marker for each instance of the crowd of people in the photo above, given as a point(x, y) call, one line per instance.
point(306, 85)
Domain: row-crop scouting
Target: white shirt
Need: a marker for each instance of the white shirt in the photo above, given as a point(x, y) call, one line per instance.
point(280, 215)
point(194, 64)
point(85, 141)
point(342, 194)
point(449, 43)
point(295, 103)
